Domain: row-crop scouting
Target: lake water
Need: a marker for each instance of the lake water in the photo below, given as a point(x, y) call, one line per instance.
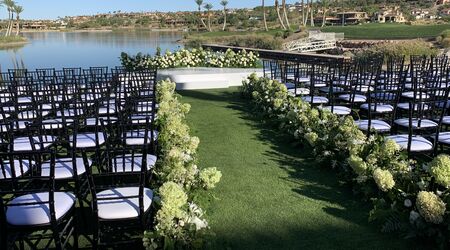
point(84, 49)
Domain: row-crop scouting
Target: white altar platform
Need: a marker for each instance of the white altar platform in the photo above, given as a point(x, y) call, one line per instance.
point(206, 78)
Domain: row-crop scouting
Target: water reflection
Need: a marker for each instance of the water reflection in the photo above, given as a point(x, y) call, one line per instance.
point(84, 49)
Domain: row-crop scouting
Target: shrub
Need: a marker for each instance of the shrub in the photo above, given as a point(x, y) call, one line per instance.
point(404, 48)
point(383, 179)
point(178, 222)
point(431, 207)
point(440, 169)
point(255, 41)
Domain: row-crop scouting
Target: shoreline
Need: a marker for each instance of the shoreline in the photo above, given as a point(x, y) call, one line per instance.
point(104, 30)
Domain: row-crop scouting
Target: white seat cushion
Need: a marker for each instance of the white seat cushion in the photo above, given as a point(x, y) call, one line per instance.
point(4, 116)
point(362, 88)
point(24, 144)
point(358, 98)
point(136, 137)
point(424, 123)
point(334, 89)
point(70, 112)
point(64, 168)
point(87, 140)
point(405, 106)
point(315, 99)
point(385, 96)
point(418, 143)
point(316, 85)
point(107, 110)
point(24, 99)
point(20, 167)
point(339, 110)
point(410, 94)
point(122, 208)
point(30, 215)
point(290, 85)
point(388, 86)
point(141, 118)
point(446, 120)
point(298, 91)
point(21, 124)
point(106, 121)
point(56, 123)
point(130, 163)
point(303, 79)
point(377, 125)
point(444, 137)
point(380, 108)
point(30, 114)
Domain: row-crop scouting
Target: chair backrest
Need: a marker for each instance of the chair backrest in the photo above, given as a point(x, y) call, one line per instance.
point(20, 174)
point(116, 172)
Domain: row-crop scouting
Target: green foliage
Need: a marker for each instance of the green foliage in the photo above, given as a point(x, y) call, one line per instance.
point(444, 38)
point(255, 41)
point(12, 39)
point(376, 167)
point(404, 48)
point(388, 31)
point(440, 170)
point(210, 177)
point(431, 207)
point(383, 179)
point(179, 223)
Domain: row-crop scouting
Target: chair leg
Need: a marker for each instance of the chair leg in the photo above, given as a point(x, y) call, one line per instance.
point(21, 244)
point(57, 238)
point(95, 237)
point(75, 230)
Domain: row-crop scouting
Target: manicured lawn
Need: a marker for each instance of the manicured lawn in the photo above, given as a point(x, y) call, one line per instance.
point(388, 31)
point(272, 194)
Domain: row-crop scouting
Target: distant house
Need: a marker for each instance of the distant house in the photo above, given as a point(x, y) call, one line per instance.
point(445, 12)
point(329, 20)
point(420, 14)
point(393, 15)
point(353, 17)
point(440, 2)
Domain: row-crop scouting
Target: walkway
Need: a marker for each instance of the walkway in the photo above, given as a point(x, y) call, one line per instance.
point(272, 196)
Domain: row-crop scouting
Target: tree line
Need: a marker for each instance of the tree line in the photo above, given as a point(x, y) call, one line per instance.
point(308, 9)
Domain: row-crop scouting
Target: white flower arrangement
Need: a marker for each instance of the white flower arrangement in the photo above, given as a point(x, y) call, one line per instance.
point(192, 58)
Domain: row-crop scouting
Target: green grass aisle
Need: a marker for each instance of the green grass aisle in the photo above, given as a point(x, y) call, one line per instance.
point(272, 196)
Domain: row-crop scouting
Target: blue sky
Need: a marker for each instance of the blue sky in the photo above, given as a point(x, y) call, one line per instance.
point(42, 9)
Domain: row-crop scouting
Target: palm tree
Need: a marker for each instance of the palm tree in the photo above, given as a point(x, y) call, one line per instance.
point(286, 18)
point(9, 6)
point(224, 3)
point(200, 3)
point(208, 8)
point(312, 13)
point(264, 15)
point(18, 9)
point(277, 8)
point(303, 23)
point(307, 7)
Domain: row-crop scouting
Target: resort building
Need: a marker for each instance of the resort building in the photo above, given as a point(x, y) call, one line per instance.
point(353, 17)
point(393, 15)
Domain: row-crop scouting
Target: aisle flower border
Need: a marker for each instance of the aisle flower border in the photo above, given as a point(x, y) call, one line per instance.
point(179, 222)
point(191, 58)
point(408, 197)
